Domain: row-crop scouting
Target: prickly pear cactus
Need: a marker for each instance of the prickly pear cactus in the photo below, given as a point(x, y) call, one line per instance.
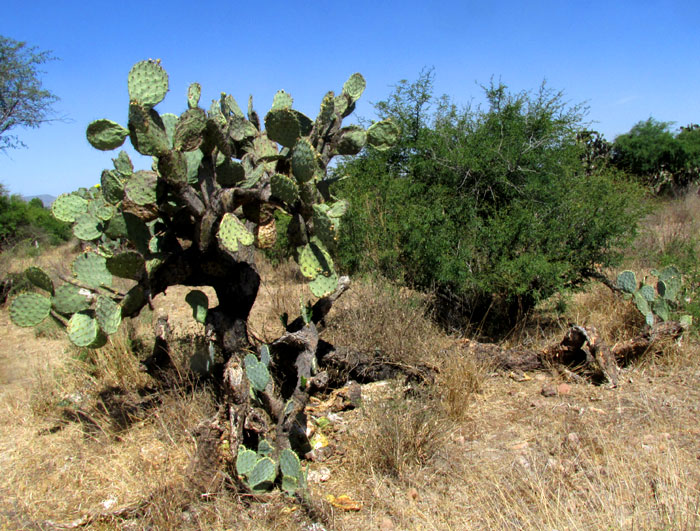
point(217, 178)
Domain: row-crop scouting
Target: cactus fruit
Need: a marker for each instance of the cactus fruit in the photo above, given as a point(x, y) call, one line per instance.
point(106, 134)
point(29, 309)
point(148, 83)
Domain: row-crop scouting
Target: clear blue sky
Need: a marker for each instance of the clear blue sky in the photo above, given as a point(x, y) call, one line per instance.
point(627, 59)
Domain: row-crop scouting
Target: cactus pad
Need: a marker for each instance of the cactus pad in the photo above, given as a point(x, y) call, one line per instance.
point(70, 299)
point(232, 232)
point(284, 188)
point(304, 160)
point(282, 100)
point(263, 472)
point(290, 485)
point(39, 278)
point(133, 301)
point(128, 264)
point(194, 92)
point(82, 329)
point(661, 308)
point(383, 135)
point(229, 106)
point(147, 131)
point(314, 260)
point(91, 270)
point(29, 309)
point(112, 186)
point(87, 227)
point(627, 281)
point(351, 141)
point(355, 86)
point(245, 461)
point(189, 130)
point(283, 127)
point(148, 83)
point(322, 285)
point(256, 372)
point(106, 134)
point(67, 207)
point(264, 447)
point(289, 463)
point(199, 302)
point(141, 188)
point(648, 292)
point(108, 315)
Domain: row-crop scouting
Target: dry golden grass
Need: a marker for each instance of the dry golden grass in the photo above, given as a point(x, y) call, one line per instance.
point(473, 451)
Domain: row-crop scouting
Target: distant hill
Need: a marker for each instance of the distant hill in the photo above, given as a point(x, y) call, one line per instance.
point(45, 198)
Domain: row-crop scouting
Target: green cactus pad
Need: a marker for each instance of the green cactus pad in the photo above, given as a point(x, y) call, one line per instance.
point(648, 292)
point(229, 172)
point(199, 302)
point(148, 83)
point(232, 232)
point(87, 227)
point(289, 463)
point(173, 167)
point(100, 209)
point(116, 227)
point(265, 355)
point(169, 122)
point(338, 209)
point(147, 131)
point(70, 299)
point(193, 158)
point(282, 100)
point(264, 472)
point(91, 270)
point(133, 301)
point(661, 308)
point(83, 329)
point(355, 86)
point(141, 188)
point(627, 281)
point(122, 164)
point(112, 185)
point(106, 134)
point(290, 485)
point(383, 135)
point(326, 112)
point(245, 461)
point(108, 315)
point(325, 227)
point(667, 273)
point(284, 188)
point(342, 105)
point(256, 372)
point(306, 124)
point(229, 106)
point(322, 285)
point(127, 264)
point(264, 149)
point(264, 447)
point(641, 303)
point(241, 129)
point(282, 126)
point(194, 92)
point(29, 309)
point(39, 278)
point(189, 131)
point(351, 141)
point(67, 207)
point(314, 260)
point(686, 321)
point(304, 160)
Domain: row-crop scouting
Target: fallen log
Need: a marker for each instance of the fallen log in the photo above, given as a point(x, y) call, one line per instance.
point(582, 349)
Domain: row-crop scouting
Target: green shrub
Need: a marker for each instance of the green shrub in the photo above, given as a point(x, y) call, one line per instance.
point(21, 220)
point(492, 208)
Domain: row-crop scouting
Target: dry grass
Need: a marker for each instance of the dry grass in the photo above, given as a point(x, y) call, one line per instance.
point(471, 452)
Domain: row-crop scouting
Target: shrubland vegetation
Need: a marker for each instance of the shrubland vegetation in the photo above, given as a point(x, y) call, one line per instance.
point(492, 208)
point(504, 212)
point(28, 220)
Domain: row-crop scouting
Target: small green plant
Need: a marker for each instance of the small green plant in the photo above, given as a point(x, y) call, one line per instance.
point(259, 471)
point(659, 301)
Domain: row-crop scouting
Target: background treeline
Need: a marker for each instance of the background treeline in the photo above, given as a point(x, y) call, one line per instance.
point(28, 220)
point(497, 207)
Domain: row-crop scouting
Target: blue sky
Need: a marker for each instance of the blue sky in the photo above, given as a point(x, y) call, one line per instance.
point(627, 59)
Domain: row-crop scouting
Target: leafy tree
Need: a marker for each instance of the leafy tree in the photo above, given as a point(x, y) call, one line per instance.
point(20, 219)
point(23, 100)
point(485, 206)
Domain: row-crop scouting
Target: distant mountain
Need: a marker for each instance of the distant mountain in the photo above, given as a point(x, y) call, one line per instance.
point(45, 198)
